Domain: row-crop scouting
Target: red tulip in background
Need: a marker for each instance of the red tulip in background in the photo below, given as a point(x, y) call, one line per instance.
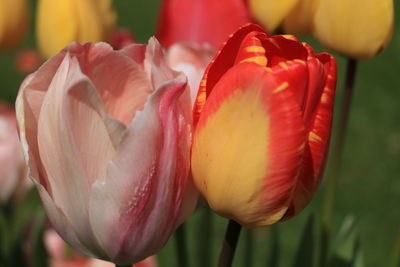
point(200, 21)
point(264, 114)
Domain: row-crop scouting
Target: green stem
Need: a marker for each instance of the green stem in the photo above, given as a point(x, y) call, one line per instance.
point(337, 152)
point(181, 246)
point(249, 248)
point(204, 232)
point(229, 245)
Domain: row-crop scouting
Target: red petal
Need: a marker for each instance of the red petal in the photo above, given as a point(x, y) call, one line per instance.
point(319, 131)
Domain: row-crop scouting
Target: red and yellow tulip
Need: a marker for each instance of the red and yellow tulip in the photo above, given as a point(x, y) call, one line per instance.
point(263, 113)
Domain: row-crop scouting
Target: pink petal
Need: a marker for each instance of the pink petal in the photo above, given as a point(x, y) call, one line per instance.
point(74, 143)
point(120, 81)
point(28, 105)
point(143, 192)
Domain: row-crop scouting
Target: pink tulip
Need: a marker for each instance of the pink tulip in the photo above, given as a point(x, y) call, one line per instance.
point(200, 21)
point(12, 166)
point(192, 60)
point(106, 136)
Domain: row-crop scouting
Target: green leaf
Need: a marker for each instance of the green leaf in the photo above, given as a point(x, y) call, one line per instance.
point(305, 251)
point(347, 250)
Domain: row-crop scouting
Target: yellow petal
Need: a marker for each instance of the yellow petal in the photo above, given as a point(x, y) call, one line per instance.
point(231, 183)
point(14, 17)
point(270, 13)
point(356, 28)
point(57, 25)
point(300, 18)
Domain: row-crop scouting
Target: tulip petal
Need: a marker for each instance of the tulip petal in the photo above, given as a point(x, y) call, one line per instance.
point(136, 52)
point(145, 180)
point(249, 101)
point(74, 143)
point(120, 81)
point(319, 132)
point(156, 65)
point(28, 105)
point(222, 61)
point(61, 223)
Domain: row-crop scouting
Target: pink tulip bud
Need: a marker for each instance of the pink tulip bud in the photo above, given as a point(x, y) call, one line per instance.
point(107, 137)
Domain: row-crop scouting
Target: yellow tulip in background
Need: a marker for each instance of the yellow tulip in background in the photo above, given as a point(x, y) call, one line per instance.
point(64, 21)
point(358, 28)
point(300, 18)
point(271, 13)
point(13, 23)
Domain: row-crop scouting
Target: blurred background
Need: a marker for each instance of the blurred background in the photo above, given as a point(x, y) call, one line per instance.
point(369, 184)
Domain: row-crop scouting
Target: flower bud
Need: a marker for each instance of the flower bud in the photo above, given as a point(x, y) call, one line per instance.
point(358, 28)
point(264, 114)
point(64, 21)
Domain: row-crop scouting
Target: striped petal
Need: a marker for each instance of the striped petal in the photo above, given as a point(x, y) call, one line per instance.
point(146, 180)
point(319, 124)
point(222, 61)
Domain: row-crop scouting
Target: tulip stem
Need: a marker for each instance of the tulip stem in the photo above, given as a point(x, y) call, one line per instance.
point(205, 231)
point(229, 245)
point(249, 248)
point(337, 152)
point(181, 246)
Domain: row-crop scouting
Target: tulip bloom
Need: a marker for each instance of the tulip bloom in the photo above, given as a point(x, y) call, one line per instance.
point(14, 16)
point(107, 136)
point(264, 113)
point(201, 22)
point(358, 29)
point(64, 21)
point(12, 166)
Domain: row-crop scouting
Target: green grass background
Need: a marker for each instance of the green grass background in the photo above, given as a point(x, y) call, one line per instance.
point(369, 186)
